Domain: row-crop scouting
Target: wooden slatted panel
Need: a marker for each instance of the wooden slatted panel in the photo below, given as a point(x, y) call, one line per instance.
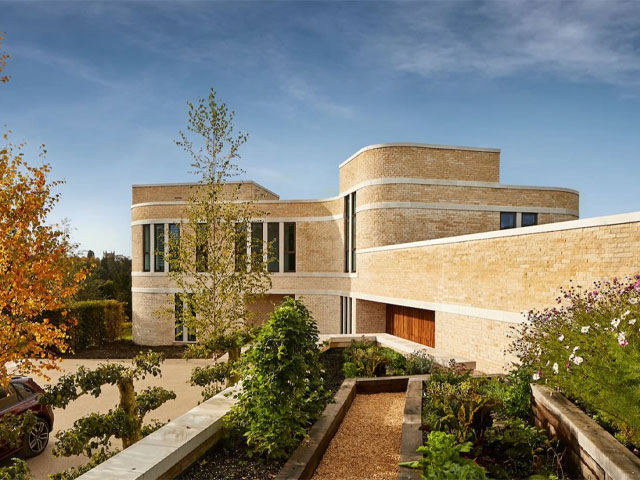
point(413, 324)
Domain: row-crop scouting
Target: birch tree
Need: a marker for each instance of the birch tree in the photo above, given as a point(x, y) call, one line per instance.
point(209, 261)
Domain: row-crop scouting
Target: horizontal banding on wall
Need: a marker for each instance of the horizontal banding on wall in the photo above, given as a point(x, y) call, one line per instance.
point(328, 218)
point(466, 207)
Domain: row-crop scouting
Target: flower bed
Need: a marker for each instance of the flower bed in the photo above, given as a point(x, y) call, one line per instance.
point(478, 427)
point(368, 359)
point(588, 348)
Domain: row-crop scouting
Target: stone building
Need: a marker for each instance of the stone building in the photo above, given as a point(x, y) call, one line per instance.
point(422, 241)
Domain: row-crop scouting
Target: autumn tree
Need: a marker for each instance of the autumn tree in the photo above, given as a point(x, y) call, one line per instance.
point(3, 62)
point(36, 271)
point(209, 260)
point(92, 433)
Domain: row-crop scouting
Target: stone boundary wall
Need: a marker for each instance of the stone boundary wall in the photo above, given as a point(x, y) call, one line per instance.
point(592, 451)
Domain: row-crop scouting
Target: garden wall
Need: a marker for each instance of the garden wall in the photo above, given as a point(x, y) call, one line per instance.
point(592, 451)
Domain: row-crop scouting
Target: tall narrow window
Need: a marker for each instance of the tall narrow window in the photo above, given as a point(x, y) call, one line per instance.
point(241, 247)
point(350, 232)
point(257, 248)
point(347, 236)
point(182, 331)
point(345, 314)
point(158, 247)
point(273, 239)
point(529, 219)
point(202, 247)
point(289, 247)
point(507, 220)
point(146, 248)
point(353, 232)
point(174, 245)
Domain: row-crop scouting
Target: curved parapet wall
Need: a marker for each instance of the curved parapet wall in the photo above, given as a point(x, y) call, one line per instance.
point(413, 192)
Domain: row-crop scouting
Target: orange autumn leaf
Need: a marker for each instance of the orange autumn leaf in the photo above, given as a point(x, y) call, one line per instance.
point(37, 273)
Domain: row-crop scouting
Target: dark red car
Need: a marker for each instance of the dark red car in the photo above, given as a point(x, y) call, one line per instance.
point(23, 394)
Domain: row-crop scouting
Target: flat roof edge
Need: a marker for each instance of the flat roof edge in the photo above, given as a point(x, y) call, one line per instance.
point(419, 145)
point(187, 184)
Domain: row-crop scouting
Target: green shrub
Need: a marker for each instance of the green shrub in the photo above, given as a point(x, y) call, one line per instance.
point(17, 470)
point(418, 363)
point(461, 409)
point(368, 359)
point(443, 460)
point(282, 383)
point(98, 322)
point(588, 347)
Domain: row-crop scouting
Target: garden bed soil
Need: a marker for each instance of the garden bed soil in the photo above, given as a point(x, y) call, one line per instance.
point(229, 460)
point(124, 349)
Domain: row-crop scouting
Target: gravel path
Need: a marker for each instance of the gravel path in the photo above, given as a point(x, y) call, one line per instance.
point(367, 444)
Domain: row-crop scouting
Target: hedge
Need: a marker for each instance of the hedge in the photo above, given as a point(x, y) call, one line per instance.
point(98, 322)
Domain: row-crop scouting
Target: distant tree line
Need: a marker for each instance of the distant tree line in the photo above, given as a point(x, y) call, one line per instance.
point(109, 278)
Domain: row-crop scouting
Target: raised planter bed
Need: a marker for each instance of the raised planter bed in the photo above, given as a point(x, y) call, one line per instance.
point(304, 461)
point(593, 452)
point(411, 432)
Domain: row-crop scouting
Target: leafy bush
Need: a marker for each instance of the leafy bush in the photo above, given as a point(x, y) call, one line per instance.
point(17, 470)
point(368, 359)
point(98, 322)
point(282, 382)
point(461, 409)
point(418, 363)
point(442, 459)
point(589, 348)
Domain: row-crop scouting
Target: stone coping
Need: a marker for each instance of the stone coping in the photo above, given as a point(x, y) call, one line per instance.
point(400, 345)
point(605, 458)
point(411, 433)
point(174, 445)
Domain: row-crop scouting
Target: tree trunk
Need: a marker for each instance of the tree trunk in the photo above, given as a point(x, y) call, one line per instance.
point(128, 404)
point(234, 356)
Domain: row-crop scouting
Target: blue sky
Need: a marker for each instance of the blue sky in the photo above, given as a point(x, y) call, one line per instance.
point(555, 85)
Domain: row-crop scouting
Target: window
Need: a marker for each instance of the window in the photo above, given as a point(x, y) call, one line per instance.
point(158, 247)
point(174, 244)
point(202, 247)
point(507, 220)
point(350, 232)
point(182, 333)
point(257, 249)
point(529, 219)
point(8, 397)
point(345, 314)
point(273, 239)
point(146, 248)
point(289, 247)
point(24, 391)
point(241, 246)
point(353, 232)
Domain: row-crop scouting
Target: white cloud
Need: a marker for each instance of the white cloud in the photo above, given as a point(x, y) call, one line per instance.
point(583, 41)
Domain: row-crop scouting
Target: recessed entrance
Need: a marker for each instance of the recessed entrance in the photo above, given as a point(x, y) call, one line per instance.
point(414, 324)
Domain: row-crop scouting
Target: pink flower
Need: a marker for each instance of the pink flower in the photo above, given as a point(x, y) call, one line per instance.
point(622, 341)
point(561, 338)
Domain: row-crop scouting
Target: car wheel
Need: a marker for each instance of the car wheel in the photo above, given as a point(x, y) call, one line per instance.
point(37, 440)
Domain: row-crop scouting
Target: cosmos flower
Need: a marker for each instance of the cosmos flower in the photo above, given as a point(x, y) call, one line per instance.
point(578, 360)
point(555, 368)
point(585, 329)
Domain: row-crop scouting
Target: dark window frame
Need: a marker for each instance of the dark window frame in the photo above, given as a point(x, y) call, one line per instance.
point(158, 246)
point(202, 247)
point(174, 241)
point(273, 265)
point(289, 250)
point(257, 245)
point(146, 247)
point(515, 220)
point(240, 248)
point(533, 215)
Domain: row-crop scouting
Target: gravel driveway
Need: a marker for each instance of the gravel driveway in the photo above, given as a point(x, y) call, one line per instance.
point(175, 376)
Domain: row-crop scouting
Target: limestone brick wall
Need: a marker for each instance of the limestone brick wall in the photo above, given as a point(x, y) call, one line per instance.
point(486, 341)
point(325, 309)
point(371, 317)
point(319, 246)
point(420, 162)
point(260, 309)
point(174, 192)
point(153, 321)
point(467, 195)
